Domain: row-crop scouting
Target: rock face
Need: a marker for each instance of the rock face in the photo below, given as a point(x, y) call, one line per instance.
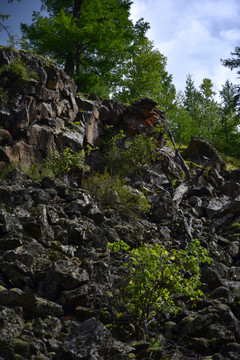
point(34, 116)
point(46, 114)
point(59, 283)
point(202, 151)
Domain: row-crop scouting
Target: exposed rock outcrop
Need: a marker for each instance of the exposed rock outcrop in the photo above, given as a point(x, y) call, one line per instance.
point(203, 152)
point(46, 114)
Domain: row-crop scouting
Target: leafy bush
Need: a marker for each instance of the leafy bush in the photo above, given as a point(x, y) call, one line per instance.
point(127, 157)
point(113, 192)
point(157, 276)
point(65, 163)
point(15, 74)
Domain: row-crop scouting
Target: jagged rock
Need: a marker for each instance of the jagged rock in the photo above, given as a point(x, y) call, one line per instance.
point(203, 152)
point(11, 325)
point(70, 139)
point(63, 275)
point(215, 205)
point(142, 116)
point(230, 188)
point(231, 208)
point(110, 112)
point(96, 342)
point(32, 112)
point(162, 206)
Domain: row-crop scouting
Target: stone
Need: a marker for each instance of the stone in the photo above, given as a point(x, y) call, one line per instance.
point(203, 152)
point(230, 188)
point(216, 205)
point(71, 139)
point(63, 275)
point(42, 138)
point(220, 292)
point(142, 116)
point(72, 298)
point(95, 340)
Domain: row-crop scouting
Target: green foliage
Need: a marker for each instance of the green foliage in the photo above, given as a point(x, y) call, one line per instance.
point(113, 192)
point(235, 226)
point(3, 97)
point(198, 113)
point(125, 158)
point(158, 276)
point(234, 62)
point(233, 162)
point(62, 164)
point(180, 121)
point(15, 75)
point(145, 75)
point(226, 133)
point(90, 38)
point(8, 168)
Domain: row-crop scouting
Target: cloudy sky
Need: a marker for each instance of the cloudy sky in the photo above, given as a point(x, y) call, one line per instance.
point(193, 34)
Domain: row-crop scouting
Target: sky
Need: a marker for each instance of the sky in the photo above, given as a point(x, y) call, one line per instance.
point(193, 34)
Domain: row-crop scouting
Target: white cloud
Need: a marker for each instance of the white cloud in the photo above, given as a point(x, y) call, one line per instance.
point(231, 35)
point(194, 35)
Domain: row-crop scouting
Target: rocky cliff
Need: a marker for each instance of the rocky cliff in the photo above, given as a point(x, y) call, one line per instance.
point(58, 280)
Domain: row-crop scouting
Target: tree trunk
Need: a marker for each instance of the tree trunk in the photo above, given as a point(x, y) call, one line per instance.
point(69, 63)
point(71, 57)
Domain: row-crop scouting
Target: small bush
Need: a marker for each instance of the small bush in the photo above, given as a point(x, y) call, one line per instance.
point(113, 192)
point(125, 158)
point(65, 163)
point(156, 276)
point(15, 75)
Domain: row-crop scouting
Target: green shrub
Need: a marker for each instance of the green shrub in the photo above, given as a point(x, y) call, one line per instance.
point(113, 192)
point(65, 163)
point(157, 276)
point(3, 97)
point(128, 157)
point(15, 74)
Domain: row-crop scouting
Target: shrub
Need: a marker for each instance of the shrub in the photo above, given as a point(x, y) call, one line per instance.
point(15, 74)
point(157, 276)
point(66, 163)
point(113, 192)
point(128, 157)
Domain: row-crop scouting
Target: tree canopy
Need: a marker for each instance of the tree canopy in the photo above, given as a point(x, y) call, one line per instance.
point(90, 39)
point(145, 75)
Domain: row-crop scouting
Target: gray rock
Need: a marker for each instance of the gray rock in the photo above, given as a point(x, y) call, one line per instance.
point(63, 275)
point(70, 139)
point(96, 342)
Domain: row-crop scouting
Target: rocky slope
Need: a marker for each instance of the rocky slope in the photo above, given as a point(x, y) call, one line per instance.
point(58, 281)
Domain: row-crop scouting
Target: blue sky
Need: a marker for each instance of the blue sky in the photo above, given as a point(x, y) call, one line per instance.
point(193, 34)
point(21, 12)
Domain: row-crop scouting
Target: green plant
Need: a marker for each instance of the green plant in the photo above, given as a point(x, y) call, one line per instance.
point(8, 168)
point(3, 97)
point(157, 276)
point(15, 74)
point(65, 163)
point(113, 192)
point(128, 157)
